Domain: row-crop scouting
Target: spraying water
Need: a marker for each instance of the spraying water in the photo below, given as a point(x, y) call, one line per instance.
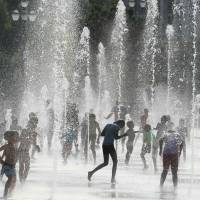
point(150, 51)
point(83, 60)
point(118, 47)
point(89, 102)
point(170, 34)
point(8, 118)
point(102, 80)
point(194, 68)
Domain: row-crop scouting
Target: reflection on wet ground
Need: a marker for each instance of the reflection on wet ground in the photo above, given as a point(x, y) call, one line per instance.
point(70, 181)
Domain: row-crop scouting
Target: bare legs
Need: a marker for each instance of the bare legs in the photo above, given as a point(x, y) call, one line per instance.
point(107, 150)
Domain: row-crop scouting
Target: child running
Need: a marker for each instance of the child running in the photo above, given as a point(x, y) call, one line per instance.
point(110, 133)
point(146, 147)
point(8, 160)
point(131, 136)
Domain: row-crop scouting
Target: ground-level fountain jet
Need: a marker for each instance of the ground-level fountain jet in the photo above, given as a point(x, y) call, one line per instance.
point(170, 34)
point(118, 47)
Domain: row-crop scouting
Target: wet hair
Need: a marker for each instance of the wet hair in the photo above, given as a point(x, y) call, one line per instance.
point(120, 123)
point(32, 123)
point(168, 118)
point(32, 115)
point(92, 116)
point(9, 134)
point(146, 110)
point(147, 127)
point(164, 118)
point(48, 101)
point(130, 124)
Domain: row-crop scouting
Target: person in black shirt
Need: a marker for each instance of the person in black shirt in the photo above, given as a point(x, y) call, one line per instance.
point(110, 133)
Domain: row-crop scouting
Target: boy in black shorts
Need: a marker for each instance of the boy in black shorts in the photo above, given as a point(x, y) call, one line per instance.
point(110, 133)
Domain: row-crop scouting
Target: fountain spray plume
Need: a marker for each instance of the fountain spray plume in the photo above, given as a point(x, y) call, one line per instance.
point(102, 81)
point(83, 59)
point(194, 69)
point(149, 52)
point(170, 34)
point(118, 46)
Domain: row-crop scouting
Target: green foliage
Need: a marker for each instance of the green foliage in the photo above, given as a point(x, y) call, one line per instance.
point(100, 11)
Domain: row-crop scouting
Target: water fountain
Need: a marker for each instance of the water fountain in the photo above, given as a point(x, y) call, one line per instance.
point(82, 70)
point(102, 80)
point(54, 36)
point(194, 68)
point(8, 118)
point(170, 34)
point(149, 54)
point(118, 48)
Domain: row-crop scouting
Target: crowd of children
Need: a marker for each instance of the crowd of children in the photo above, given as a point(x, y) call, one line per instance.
point(22, 142)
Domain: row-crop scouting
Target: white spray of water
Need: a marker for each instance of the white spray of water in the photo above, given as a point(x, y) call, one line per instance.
point(149, 51)
point(194, 69)
point(102, 82)
point(8, 118)
point(83, 56)
point(170, 34)
point(117, 43)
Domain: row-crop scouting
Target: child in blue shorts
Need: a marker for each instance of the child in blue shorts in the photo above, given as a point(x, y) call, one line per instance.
point(9, 160)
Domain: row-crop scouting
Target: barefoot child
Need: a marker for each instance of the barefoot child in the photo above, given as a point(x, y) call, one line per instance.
point(131, 136)
point(9, 160)
point(146, 147)
point(26, 140)
point(170, 154)
point(110, 133)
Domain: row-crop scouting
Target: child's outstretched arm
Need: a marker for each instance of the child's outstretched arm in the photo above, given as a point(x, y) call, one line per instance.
point(109, 115)
point(117, 137)
point(1, 161)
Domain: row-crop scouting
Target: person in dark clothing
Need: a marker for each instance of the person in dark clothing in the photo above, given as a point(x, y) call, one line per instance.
point(171, 151)
point(131, 136)
point(110, 133)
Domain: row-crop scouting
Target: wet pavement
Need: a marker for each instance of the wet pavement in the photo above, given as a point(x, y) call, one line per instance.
point(50, 179)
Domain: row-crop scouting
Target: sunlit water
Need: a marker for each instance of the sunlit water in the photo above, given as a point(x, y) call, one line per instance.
point(132, 181)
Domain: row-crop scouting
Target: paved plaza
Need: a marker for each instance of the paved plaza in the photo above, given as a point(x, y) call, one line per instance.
point(50, 179)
